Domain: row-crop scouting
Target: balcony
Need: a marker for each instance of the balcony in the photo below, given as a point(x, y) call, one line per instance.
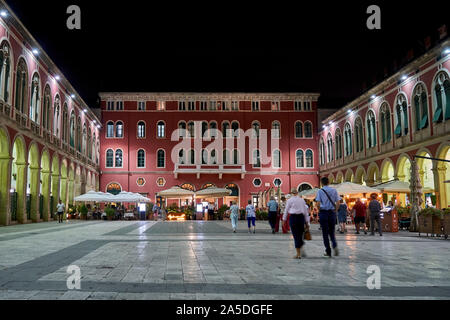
point(209, 169)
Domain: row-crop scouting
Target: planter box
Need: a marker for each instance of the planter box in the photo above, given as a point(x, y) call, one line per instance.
point(425, 224)
point(437, 225)
point(446, 225)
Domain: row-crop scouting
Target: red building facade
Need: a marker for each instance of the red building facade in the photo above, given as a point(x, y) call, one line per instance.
point(136, 143)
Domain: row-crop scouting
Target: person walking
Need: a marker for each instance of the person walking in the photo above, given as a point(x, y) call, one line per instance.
point(285, 223)
point(60, 211)
point(251, 216)
point(272, 205)
point(342, 215)
point(328, 202)
point(234, 215)
point(359, 210)
point(298, 213)
point(156, 210)
point(374, 209)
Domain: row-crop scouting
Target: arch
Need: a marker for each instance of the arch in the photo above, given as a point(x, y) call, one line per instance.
point(403, 167)
point(35, 104)
point(419, 101)
point(298, 128)
point(5, 160)
point(109, 129)
point(256, 127)
point(441, 96)
point(161, 158)
point(442, 175)
point(18, 178)
point(331, 178)
point(304, 186)
point(385, 123)
point(140, 158)
point(359, 135)
point(360, 176)
point(349, 175)
point(338, 144)
point(21, 85)
point(373, 173)
point(6, 73)
point(161, 129)
point(299, 158)
point(387, 170)
point(425, 169)
point(339, 177)
point(308, 129)
point(348, 141)
point(309, 158)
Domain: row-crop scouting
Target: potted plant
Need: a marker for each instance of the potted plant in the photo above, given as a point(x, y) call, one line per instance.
point(430, 221)
point(110, 213)
point(83, 212)
point(264, 215)
point(242, 214)
point(70, 212)
point(221, 211)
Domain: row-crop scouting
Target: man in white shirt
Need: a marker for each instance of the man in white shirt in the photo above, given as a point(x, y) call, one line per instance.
point(60, 210)
point(299, 217)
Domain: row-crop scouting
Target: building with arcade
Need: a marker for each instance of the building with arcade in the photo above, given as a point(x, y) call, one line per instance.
point(49, 137)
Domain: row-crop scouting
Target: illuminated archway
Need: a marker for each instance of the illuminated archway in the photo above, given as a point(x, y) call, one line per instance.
point(373, 174)
point(349, 175)
point(403, 169)
point(442, 174)
point(33, 183)
point(426, 175)
point(387, 170)
point(331, 178)
point(339, 177)
point(360, 176)
point(18, 180)
point(44, 206)
point(5, 159)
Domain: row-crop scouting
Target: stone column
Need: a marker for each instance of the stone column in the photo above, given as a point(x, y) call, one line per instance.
point(63, 194)
point(439, 174)
point(55, 191)
point(5, 177)
point(34, 191)
point(45, 176)
point(21, 191)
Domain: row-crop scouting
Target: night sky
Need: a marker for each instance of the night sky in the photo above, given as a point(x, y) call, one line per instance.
point(224, 46)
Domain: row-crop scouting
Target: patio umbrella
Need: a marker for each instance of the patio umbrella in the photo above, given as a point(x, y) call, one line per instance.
point(213, 192)
point(354, 189)
point(309, 194)
point(176, 193)
point(125, 196)
point(93, 196)
point(394, 187)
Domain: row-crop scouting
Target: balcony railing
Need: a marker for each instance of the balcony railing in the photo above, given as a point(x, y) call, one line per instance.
point(219, 169)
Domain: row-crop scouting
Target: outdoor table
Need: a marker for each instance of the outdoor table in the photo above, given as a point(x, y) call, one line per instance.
point(129, 215)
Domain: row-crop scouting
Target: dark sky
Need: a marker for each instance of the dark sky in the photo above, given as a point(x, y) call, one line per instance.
point(238, 46)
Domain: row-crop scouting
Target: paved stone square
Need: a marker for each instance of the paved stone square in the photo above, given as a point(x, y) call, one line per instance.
point(198, 260)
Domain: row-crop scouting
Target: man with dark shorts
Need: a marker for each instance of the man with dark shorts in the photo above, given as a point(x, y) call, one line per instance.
point(60, 211)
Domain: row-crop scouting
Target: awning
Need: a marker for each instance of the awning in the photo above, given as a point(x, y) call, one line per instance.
point(213, 193)
point(125, 196)
point(93, 196)
point(176, 193)
point(394, 187)
point(354, 189)
point(437, 115)
point(309, 194)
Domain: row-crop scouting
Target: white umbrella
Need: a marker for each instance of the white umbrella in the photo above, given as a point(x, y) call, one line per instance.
point(354, 189)
point(93, 196)
point(176, 193)
point(309, 194)
point(394, 187)
point(125, 196)
point(213, 192)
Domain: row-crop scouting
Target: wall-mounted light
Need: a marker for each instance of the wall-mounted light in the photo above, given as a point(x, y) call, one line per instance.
point(373, 97)
point(4, 13)
point(446, 50)
point(57, 78)
point(35, 52)
point(85, 110)
point(72, 96)
point(404, 77)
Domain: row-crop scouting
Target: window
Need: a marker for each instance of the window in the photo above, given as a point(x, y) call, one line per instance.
point(35, 104)
point(441, 97)
point(256, 126)
point(401, 116)
point(109, 129)
point(277, 182)
point(255, 201)
point(322, 152)
point(235, 156)
point(204, 128)
point(182, 129)
point(338, 142)
point(72, 130)
point(181, 106)
point(119, 129)
point(298, 129)
point(309, 159)
point(308, 130)
point(161, 159)
point(225, 106)
point(79, 134)
point(276, 159)
point(307, 105)
point(141, 129)
point(89, 144)
point(119, 105)
point(257, 182)
point(297, 105)
point(203, 105)
point(276, 130)
point(141, 105)
point(46, 114)
point(300, 160)
point(256, 159)
point(385, 117)
point(119, 158)
point(65, 124)
point(191, 129)
point(109, 158)
point(21, 86)
point(141, 159)
point(192, 156)
point(226, 156)
point(181, 157)
point(226, 129)
point(235, 128)
point(234, 105)
point(213, 128)
point(348, 140)
point(191, 105)
point(359, 137)
point(204, 156)
point(330, 148)
point(213, 159)
point(255, 105)
point(420, 107)
point(275, 106)
point(213, 105)
point(161, 130)
point(161, 105)
point(56, 116)
point(371, 130)
point(110, 105)
point(5, 71)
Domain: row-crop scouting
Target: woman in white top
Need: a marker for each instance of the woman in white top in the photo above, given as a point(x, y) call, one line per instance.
point(251, 216)
point(299, 217)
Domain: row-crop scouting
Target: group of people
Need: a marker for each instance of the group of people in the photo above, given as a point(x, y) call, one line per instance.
point(330, 210)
